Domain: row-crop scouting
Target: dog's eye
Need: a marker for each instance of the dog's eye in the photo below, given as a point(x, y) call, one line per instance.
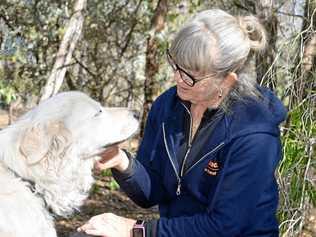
point(98, 113)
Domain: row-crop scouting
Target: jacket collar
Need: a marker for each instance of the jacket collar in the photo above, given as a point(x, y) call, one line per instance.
point(174, 132)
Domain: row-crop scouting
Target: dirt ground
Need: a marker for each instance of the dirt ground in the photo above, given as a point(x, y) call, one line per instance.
point(102, 200)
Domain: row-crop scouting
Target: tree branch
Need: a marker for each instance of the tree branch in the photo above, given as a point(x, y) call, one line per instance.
point(67, 46)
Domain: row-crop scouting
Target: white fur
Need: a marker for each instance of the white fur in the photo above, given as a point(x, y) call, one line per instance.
point(54, 146)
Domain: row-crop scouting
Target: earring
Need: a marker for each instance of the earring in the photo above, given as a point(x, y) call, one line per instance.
point(220, 93)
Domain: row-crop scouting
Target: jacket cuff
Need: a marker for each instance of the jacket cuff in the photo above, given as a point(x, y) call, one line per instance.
point(129, 170)
point(151, 228)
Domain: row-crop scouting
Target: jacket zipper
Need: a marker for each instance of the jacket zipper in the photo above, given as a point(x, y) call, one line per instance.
point(178, 191)
point(186, 153)
point(212, 151)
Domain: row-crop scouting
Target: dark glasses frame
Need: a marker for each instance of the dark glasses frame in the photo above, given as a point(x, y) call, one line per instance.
point(192, 81)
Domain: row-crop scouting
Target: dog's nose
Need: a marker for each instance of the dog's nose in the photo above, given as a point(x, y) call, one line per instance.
point(136, 114)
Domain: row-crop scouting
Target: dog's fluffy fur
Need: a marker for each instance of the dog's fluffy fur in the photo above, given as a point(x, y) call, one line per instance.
point(53, 147)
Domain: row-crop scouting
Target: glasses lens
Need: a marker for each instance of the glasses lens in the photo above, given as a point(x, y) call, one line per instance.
point(186, 78)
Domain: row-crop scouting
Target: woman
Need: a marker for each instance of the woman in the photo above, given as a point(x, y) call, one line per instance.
point(211, 144)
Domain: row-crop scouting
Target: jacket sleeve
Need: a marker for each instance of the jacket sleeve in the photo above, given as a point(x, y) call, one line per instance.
point(249, 171)
point(141, 182)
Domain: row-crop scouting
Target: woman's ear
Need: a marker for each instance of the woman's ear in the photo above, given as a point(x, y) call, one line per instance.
point(230, 80)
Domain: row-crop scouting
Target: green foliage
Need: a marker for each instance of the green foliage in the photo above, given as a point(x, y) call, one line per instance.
point(112, 184)
point(297, 192)
point(31, 37)
point(106, 173)
point(7, 94)
point(95, 188)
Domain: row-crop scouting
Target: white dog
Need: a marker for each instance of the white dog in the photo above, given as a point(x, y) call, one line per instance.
point(46, 160)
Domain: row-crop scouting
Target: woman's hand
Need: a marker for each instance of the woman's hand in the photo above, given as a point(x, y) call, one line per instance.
point(113, 157)
point(108, 225)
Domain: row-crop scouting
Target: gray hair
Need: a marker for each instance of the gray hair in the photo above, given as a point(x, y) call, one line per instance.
point(215, 42)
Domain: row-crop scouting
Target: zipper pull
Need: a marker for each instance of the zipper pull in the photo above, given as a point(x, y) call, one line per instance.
point(178, 192)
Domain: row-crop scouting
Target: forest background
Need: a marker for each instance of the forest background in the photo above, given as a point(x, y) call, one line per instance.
point(114, 50)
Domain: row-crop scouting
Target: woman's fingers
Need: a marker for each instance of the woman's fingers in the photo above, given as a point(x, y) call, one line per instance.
point(108, 159)
point(109, 153)
point(119, 161)
point(108, 225)
point(103, 166)
point(96, 222)
point(95, 232)
point(84, 227)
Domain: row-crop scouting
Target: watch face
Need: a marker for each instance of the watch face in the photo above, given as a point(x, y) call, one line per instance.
point(138, 232)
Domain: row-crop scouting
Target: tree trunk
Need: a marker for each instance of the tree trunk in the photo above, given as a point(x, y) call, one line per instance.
point(266, 74)
point(306, 64)
point(152, 58)
point(64, 55)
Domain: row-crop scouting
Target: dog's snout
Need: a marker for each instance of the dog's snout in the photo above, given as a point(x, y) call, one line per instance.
point(136, 114)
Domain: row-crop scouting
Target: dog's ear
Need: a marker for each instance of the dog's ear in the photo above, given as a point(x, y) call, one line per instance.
point(44, 140)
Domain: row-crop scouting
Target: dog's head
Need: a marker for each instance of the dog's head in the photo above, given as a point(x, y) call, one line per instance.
point(74, 119)
point(55, 144)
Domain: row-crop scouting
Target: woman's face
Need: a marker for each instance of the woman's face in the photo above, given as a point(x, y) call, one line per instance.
point(204, 91)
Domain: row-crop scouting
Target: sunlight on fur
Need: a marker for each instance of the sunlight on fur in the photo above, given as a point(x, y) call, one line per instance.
point(47, 157)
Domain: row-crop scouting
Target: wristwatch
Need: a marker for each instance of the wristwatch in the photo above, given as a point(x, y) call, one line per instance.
point(139, 229)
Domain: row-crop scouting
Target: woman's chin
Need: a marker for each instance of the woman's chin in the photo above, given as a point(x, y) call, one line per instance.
point(182, 96)
point(182, 93)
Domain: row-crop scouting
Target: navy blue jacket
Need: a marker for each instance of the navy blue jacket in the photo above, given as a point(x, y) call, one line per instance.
point(230, 190)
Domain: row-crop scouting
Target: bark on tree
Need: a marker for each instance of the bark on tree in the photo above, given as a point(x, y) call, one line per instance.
point(152, 63)
point(266, 12)
point(266, 74)
point(306, 65)
point(65, 51)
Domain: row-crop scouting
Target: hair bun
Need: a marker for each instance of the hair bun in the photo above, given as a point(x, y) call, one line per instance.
point(255, 32)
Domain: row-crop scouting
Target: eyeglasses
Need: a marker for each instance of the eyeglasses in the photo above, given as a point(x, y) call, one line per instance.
point(186, 77)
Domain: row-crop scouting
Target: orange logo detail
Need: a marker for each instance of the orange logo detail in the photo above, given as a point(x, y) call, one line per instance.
point(212, 168)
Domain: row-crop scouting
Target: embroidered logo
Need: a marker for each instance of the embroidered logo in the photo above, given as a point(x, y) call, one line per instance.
point(212, 168)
